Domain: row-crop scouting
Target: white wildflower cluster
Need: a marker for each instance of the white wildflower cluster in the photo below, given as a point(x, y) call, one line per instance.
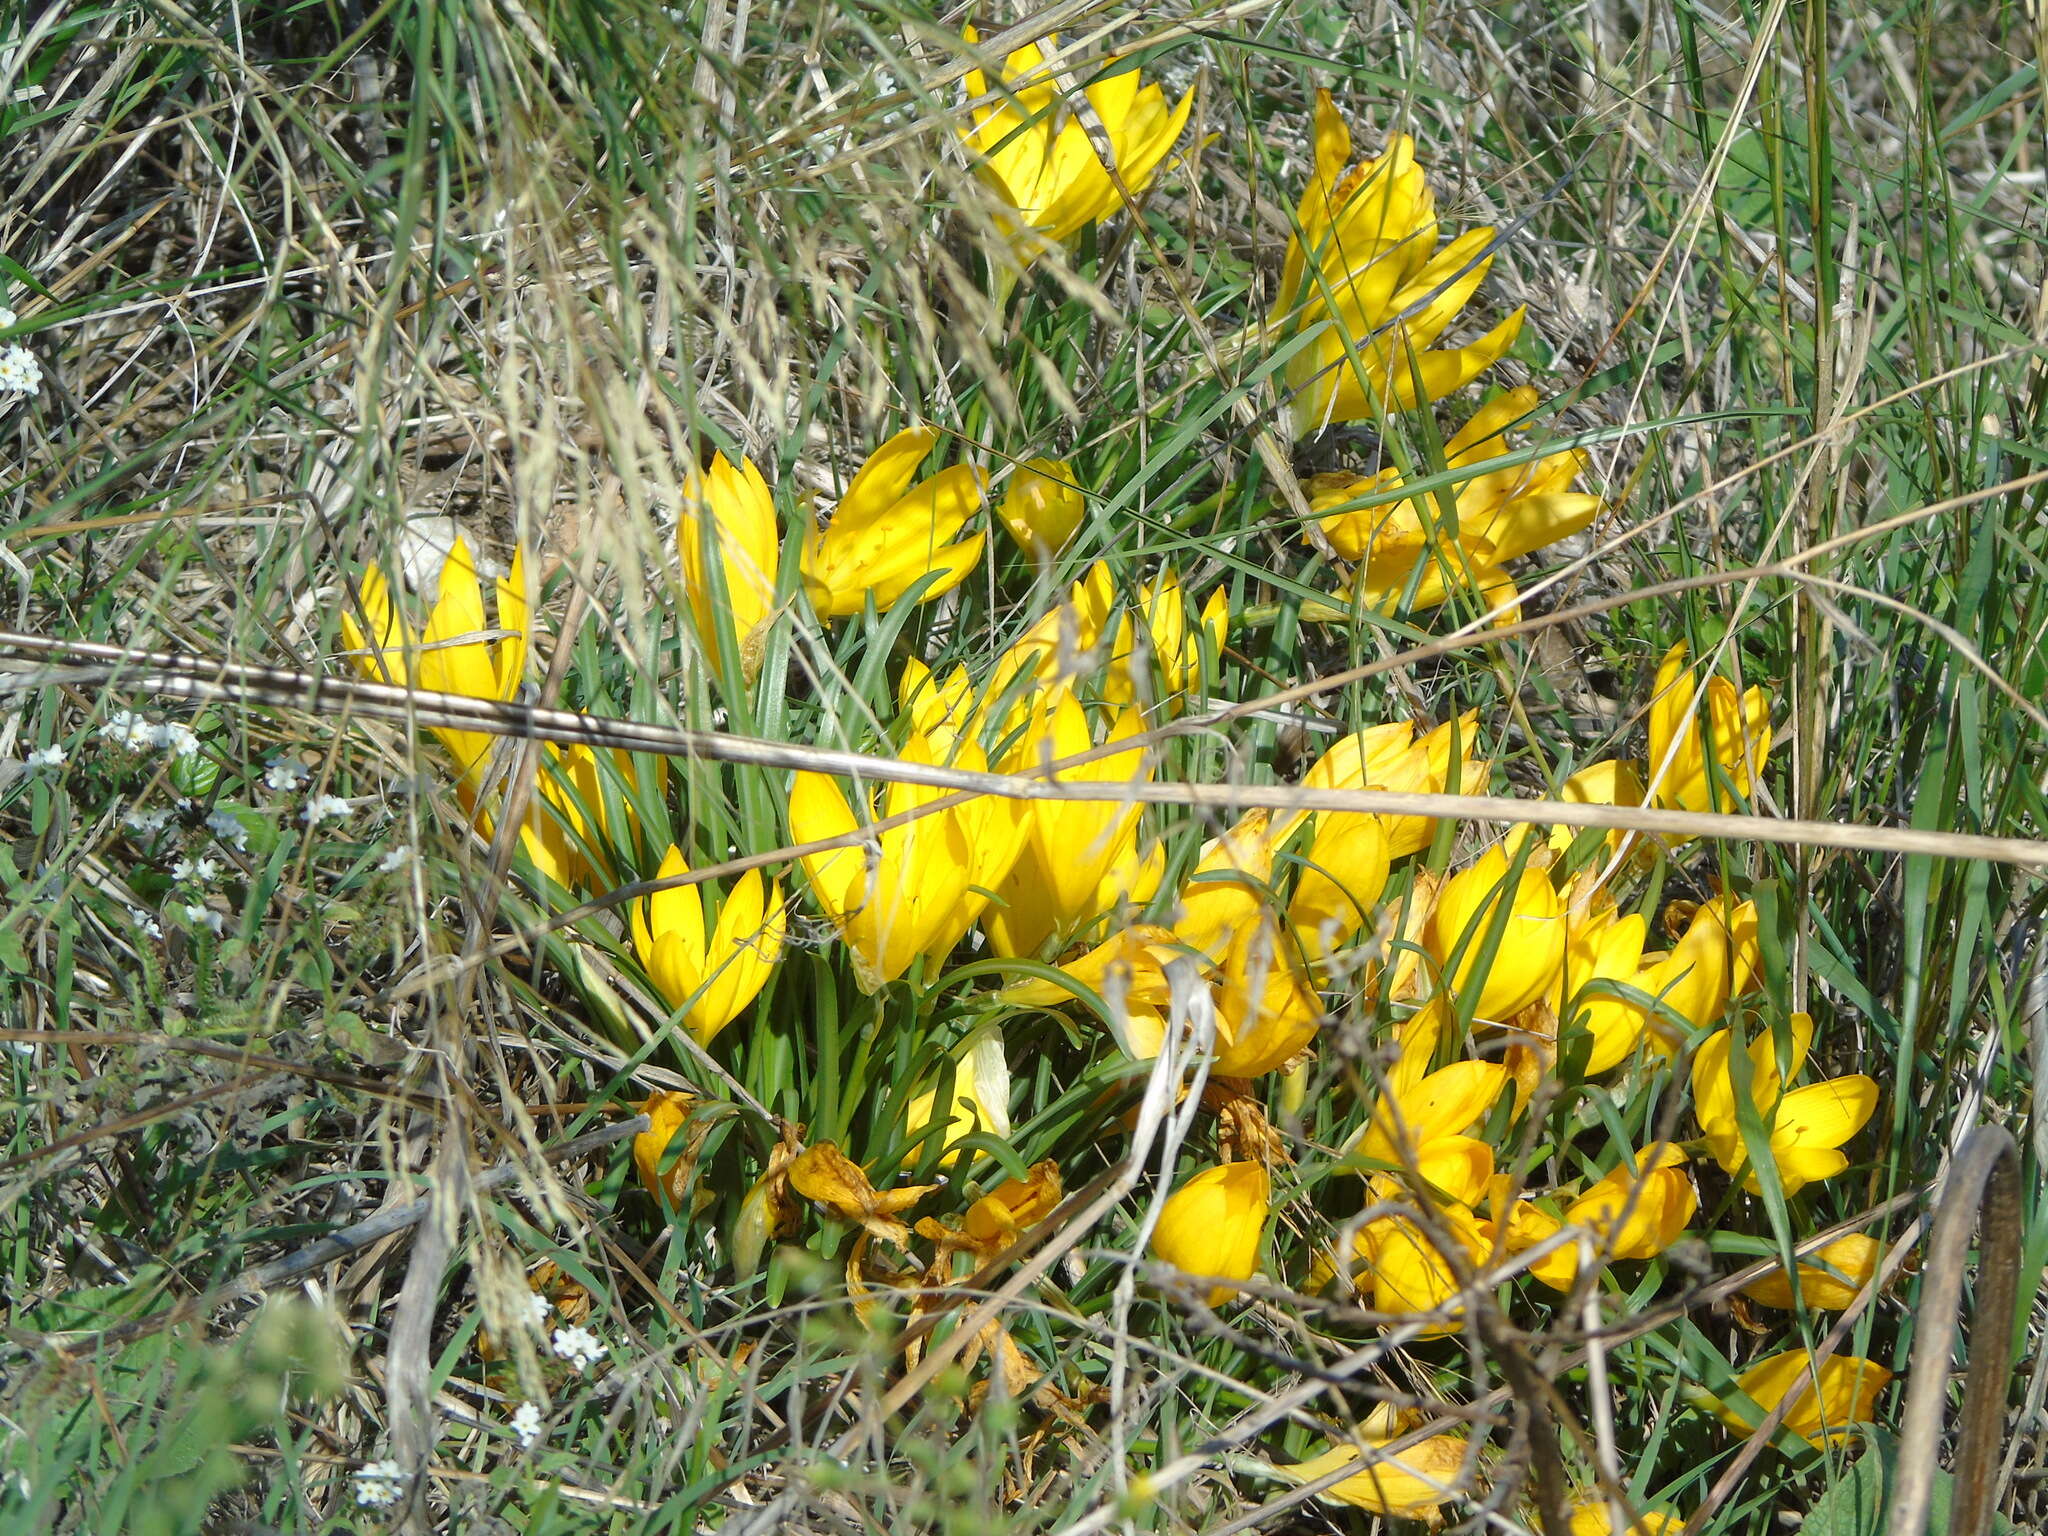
point(20, 373)
point(526, 1424)
point(51, 756)
point(228, 830)
point(125, 728)
point(579, 1346)
point(202, 917)
point(540, 1308)
point(149, 821)
point(399, 858)
point(380, 1485)
point(285, 774)
point(201, 871)
point(324, 808)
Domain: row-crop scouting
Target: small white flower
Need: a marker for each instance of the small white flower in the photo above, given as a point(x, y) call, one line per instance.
point(397, 858)
point(6, 317)
point(324, 808)
point(155, 819)
point(200, 871)
point(125, 728)
point(203, 916)
point(177, 738)
point(20, 373)
point(380, 1485)
point(285, 773)
point(579, 1346)
point(526, 1424)
point(228, 830)
point(540, 1308)
point(51, 756)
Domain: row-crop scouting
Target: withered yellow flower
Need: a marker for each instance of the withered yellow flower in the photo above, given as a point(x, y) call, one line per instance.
point(710, 966)
point(669, 1113)
point(1366, 285)
point(980, 1099)
point(1412, 1483)
point(727, 534)
point(1211, 1225)
point(1033, 153)
point(826, 1176)
point(888, 534)
point(1000, 1216)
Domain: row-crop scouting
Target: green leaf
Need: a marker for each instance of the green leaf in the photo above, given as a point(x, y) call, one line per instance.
point(1859, 1502)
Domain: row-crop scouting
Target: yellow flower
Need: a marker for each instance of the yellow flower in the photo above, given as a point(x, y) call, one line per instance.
point(1602, 948)
point(1153, 656)
point(728, 526)
point(1343, 872)
point(1531, 947)
point(1687, 763)
point(1843, 1391)
point(452, 655)
point(1413, 1483)
point(1830, 1278)
point(1492, 518)
point(1042, 507)
point(887, 534)
point(569, 832)
point(1715, 961)
point(1635, 1212)
point(1211, 1225)
point(711, 967)
point(1423, 1110)
point(1806, 1127)
point(981, 1095)
point(1081, 858)
point(1408, 1273)
point(1609, 782)
point(1390, 757)
point(670, 1114)
point(1227, 891)
point(1266, 1008)
point(912, 890)
point(1040, 162)
point(1127, 967)
point(1595, 1517)
point(1364, 276)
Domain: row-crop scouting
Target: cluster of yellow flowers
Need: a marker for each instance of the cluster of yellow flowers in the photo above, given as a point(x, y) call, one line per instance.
point(1497, 987)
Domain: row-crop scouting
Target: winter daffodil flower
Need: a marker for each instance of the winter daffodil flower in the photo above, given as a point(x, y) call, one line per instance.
point(1693, 750)
point(1033, 153)
point(1519, 966)
point(730, 543)
point(1042, 507)
point(709, 966)
point(1636, 1212)
point(891, 531)
point(1211, 1225)
point(1840, 1391)
point(1803, 1129)
point(1153, 656)
point(1830, 1278)
point(1366, 286)
point(913, 890)
point(672, 1117)
point(1603, 953)
point(1461, 538)
point(1595, 1517)
point(1412, 1483)
point(1715, 960)
point(459, 651)
point(980, 1100)
point(1391, 757)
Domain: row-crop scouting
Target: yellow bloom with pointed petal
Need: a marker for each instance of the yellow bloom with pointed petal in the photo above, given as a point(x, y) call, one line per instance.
point(1412, 1483)
point(1716, 960)
point(1531, 946)
point(1635, 1212)
point(913, 890)
point(569, 831)
point(1364, 279)
point(1408, 1270)
point(1343, 872)
point(458, 652)
point(1421, 1106)
point(1154, 658)
point(1806, 1126)
point(1391, 757)
point(1609, 782)
point(1128, 967)
point(1211, 1225)
point(1490, 519)
point(1081, 858)
point(710, 966)
point(1603, 949)
point(1034, 154)
point(890, 531)
point(1227, 891)
point(1842, 1391)
point(1042, 507)
point(981, 1094)
point(1266, 1006)
point(1595, 1517)
point(1830, 1278)
point(1690, 755)
point(727, 525)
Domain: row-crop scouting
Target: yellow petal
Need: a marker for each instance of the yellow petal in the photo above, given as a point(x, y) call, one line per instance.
point(1412, 1483)
point(1830, 1278)
point(1211, 1225)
